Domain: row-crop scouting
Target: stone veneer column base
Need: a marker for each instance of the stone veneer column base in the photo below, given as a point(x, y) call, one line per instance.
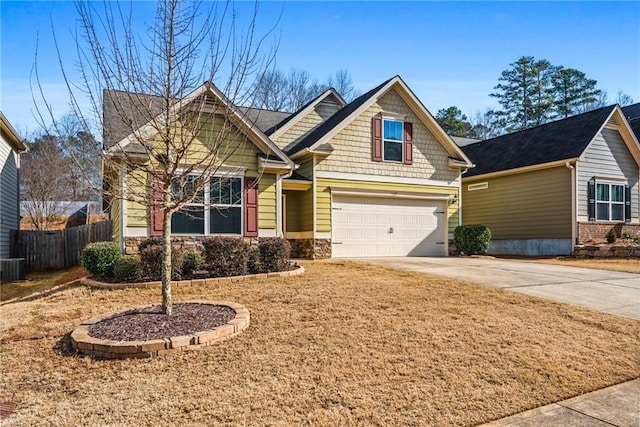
point(310, 248)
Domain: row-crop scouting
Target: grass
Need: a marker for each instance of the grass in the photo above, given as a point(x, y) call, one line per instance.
point(39, 282)
point(621, 264)
point(343, 344)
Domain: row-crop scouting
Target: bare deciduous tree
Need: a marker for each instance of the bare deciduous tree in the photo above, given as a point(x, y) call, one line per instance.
point(172, 133)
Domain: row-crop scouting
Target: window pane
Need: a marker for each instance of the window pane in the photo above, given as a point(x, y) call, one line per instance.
point(393, 151)
point(392, 130)
point(602, 211)
point(617, 193)
point(602, 192)
point(617, 212)
point(188, 220)
point(226, 191)
point(225, 221)
point(186, 188)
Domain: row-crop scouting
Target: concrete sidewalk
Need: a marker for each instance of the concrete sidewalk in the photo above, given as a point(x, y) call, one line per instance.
point(618, 406)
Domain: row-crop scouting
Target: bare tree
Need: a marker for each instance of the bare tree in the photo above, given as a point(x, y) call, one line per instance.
point(42, 186)
point(173, 132)
point(342, 82)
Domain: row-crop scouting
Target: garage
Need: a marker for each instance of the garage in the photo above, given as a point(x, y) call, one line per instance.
point(367, 226)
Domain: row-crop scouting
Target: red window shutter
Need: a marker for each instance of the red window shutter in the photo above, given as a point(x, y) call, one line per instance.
point(408, 143)
point(251, 207)
point(376, 136)
point(156, 215)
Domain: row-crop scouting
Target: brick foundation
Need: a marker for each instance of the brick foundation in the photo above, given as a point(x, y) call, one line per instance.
point(596, 232)
point(310, 248)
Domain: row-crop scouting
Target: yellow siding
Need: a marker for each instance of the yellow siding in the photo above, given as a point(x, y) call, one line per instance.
point(137, 212)
point(306, 169)
point(532, 205)
point(292, 212)
point(352, 147)
point(323, 197)
point(267, 201)
point(234, 151)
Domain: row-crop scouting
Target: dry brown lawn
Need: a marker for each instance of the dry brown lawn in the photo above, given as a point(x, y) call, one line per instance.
point(622, 264)
point(343, 344)
point(40, 282)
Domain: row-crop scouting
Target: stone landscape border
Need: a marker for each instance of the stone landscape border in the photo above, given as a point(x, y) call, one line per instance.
point(110, 349)
point(196, 282)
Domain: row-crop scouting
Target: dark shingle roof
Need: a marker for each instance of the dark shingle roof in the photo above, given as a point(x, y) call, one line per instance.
point(632, 113)
point(295, 176)
point(264, 119)
point(317, 133)
point(559, 140)
point(124, 111)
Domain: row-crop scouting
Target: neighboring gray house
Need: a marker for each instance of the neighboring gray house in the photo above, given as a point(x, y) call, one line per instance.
point(545, 189)
point(11, 146)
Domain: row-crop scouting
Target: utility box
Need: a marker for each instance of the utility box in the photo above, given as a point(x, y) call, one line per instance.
point(12, 269)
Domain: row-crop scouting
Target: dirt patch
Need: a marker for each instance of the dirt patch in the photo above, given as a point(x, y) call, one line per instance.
point(149, 323)
point(343, 344)
point(40, 282)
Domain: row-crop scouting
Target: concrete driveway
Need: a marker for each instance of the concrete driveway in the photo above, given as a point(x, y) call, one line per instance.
point(609, 291)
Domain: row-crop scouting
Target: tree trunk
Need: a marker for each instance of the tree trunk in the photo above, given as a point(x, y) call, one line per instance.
point(167, 300)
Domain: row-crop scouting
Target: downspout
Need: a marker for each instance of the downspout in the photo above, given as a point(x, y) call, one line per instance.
point(574, 224)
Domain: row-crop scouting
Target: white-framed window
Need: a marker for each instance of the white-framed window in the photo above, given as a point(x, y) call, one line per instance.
point(215, 210)
point(392, 140)
point(609, 201)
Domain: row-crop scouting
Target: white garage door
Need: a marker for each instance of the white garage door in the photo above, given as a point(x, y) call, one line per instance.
point(379, 227)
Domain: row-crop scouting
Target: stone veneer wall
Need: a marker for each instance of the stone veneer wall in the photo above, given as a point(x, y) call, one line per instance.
point(186, 243)
point(310, 248)
point(596, 232)
point(595, 251)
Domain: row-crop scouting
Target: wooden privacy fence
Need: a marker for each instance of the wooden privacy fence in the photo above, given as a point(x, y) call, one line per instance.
point(55, 250)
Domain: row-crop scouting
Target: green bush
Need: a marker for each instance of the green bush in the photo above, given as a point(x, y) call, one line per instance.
point(612, 236)
point(151, 262)
point(472, 239)
point(192, 261)
point(127, 269)
point(274, 254)
point(151, 241)
point(99, 257)
point(226, 256)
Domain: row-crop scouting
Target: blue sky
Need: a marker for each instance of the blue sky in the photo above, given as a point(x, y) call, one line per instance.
point(449, 53)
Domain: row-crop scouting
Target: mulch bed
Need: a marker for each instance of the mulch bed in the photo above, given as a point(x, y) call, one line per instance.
point(149, 323)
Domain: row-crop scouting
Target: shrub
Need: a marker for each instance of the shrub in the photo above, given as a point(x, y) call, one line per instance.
point(151, 262)
point(191, 262)
point(226, 256)
point(151, 241)
point(127, 269)
point(627, 235)
point(253, 263)
point(274, 254)
point(99, 257)
point(612, 236)
point(472, 239)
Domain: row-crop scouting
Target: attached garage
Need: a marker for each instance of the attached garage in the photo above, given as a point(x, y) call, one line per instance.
point(378, 226)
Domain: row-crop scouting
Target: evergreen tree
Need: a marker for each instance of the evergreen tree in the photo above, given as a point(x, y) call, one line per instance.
point(572, 92)
point(455, 123)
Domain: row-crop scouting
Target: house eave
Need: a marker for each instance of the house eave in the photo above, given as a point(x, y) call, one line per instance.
point(524, 169)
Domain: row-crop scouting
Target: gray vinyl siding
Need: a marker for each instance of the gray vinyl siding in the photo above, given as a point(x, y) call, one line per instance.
point(530, 205)
point(9, 218)
point(607, 156)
